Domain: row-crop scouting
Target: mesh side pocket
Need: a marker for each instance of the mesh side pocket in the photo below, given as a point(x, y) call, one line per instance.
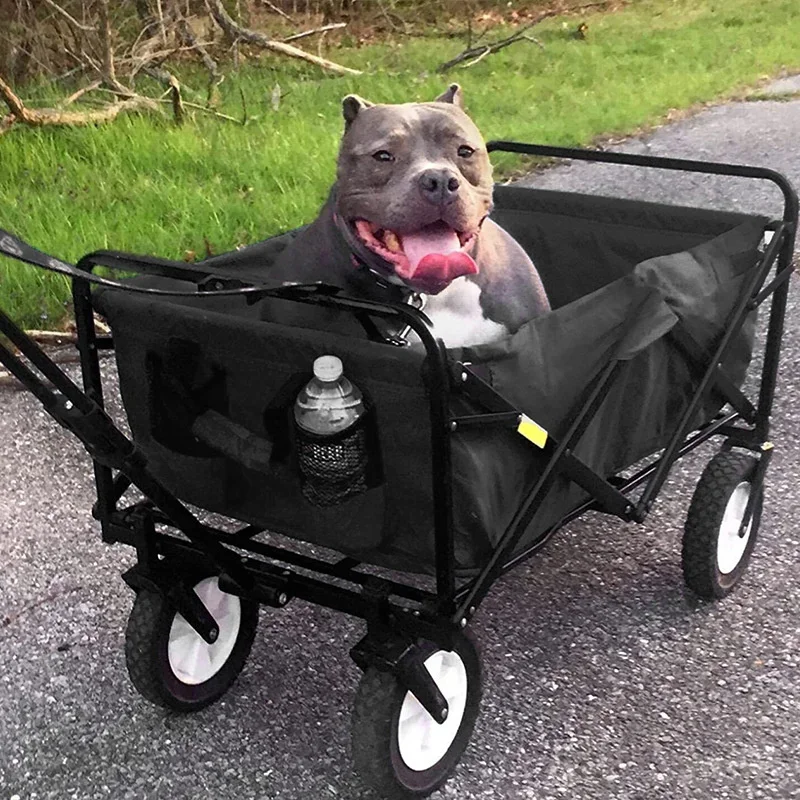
point(334, 468)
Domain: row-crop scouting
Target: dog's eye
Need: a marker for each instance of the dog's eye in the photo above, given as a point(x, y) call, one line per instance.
point(465, 151)
point(383, 155)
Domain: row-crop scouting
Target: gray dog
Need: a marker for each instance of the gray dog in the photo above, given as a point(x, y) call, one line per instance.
point(408, 220)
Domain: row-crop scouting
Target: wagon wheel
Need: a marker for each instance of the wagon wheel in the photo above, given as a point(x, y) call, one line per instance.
point(170, 664)
point(398, 748)
point(714, 555)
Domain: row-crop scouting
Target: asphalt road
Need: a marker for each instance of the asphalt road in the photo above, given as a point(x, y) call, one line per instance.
point(604, 678)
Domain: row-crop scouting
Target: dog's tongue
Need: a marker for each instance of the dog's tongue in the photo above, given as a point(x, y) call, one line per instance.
point(435, 257)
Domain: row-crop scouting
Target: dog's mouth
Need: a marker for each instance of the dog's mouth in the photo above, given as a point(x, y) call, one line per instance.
point(428, 259)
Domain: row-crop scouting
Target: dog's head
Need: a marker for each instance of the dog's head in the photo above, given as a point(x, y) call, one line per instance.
point(414, 185)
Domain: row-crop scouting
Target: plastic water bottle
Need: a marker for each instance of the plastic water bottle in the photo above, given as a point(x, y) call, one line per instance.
point(330, 436)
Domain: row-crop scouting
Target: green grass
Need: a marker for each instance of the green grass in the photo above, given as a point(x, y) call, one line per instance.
point(143, 185)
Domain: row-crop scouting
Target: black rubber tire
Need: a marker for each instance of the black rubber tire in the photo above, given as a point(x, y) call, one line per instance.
point(376, 713)
point(703, 522)
point(146, 641)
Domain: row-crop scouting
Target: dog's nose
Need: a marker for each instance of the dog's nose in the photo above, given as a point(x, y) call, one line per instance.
point(438, 186)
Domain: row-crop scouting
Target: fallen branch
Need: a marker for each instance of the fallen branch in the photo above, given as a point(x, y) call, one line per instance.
point(59, 354)
point(236, 32)
point(487, 49)
point(61, 349)
point(205, 109)
point(477, 53)
point(324, 29)
point(15, 105)
point(40, 117)
point(535, 41)
point(81, 92)
point(47, 116)
point(52, 337)
point(483, 53)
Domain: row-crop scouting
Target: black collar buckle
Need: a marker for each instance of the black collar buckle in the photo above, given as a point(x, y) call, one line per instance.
point(416, 300)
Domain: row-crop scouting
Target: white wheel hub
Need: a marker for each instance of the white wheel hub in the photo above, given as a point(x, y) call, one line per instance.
point(731, 546)
point(421, 740)
point(192, 659)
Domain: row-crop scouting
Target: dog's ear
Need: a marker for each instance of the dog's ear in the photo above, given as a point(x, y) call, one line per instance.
point(453, 95)
point(351, 105)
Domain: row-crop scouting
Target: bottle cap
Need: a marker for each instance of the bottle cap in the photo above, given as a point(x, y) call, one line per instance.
point(328, 368)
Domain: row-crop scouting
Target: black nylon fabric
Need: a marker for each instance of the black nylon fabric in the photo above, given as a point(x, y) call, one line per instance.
point(621, 276)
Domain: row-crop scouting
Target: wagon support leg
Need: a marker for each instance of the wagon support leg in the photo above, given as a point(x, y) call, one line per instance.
point(561, 460)
point(751, 290)
point(780, 289)
point(388, 651)
point(765, 451)
point(161, 579)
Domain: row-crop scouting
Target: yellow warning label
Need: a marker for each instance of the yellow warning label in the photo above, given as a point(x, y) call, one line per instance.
point(532, 431)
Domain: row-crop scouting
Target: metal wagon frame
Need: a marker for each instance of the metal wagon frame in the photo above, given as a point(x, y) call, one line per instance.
point(402, 619)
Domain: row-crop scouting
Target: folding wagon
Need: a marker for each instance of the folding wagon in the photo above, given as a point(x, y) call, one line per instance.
point(477, 455)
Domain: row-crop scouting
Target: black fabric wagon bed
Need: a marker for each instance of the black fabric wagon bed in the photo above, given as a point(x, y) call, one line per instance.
point(624, 278)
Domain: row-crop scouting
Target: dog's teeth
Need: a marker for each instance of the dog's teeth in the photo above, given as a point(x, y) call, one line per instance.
point(391, 241)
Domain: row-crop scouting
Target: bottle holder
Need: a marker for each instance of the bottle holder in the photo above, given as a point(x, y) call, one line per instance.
point(338, 466)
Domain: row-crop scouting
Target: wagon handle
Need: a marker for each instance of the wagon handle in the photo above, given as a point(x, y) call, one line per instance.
point(14, 247)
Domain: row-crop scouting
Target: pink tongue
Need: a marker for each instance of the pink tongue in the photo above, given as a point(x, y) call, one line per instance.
point(435, 257)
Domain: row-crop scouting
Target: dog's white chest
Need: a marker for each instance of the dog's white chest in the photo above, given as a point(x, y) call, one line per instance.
point(458, 317)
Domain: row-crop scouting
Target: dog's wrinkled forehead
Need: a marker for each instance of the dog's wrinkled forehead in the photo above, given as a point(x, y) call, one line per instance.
point(408, 123)
point(422, 129)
